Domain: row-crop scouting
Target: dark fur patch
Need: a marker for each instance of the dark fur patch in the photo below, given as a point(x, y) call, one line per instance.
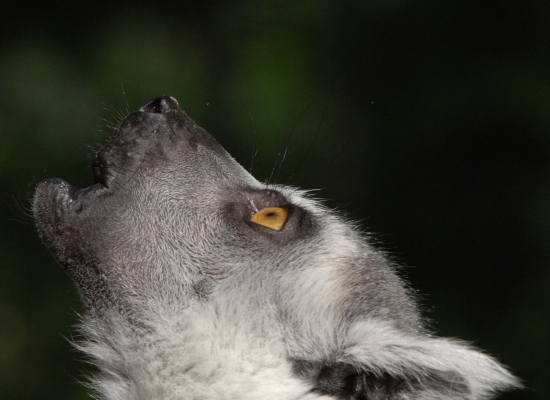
point(347, 382)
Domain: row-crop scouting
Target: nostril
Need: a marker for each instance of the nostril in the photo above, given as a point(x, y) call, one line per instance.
point(160, 105)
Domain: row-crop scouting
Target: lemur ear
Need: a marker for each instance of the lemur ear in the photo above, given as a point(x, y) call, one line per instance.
point(380, 362)
point(346, 381)
point(419, 366)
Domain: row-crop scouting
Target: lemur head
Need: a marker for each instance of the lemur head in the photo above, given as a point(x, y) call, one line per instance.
point(171, 214)
point(176, 246)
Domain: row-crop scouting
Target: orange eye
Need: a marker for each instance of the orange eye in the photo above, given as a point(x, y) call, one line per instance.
point(271, 217)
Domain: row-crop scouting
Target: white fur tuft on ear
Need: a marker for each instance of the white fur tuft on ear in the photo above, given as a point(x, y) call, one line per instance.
point(432, 368)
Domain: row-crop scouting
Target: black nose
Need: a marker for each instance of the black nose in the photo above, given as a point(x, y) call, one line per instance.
point(160, 105)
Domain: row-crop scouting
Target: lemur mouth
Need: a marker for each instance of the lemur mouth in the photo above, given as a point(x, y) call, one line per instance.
point(139, 135)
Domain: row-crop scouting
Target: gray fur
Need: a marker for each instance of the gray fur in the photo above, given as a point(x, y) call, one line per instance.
point(188, 299)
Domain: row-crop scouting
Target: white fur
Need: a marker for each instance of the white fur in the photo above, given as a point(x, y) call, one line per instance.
point(198, 357)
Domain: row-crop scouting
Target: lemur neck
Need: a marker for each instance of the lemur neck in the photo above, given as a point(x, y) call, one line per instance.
point(205, 359)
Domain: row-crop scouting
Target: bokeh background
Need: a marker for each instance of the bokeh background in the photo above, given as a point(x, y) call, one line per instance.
point(427, 120)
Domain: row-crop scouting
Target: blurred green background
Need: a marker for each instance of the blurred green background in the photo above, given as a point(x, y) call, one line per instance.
point(427, 120)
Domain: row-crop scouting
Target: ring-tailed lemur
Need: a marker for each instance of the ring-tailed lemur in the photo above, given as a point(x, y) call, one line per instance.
point(202, 283)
